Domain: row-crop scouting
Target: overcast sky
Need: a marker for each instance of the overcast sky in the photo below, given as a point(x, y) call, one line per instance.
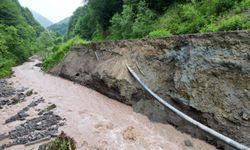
point(54, 10)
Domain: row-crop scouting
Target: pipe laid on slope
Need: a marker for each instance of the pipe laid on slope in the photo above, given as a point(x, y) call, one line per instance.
point(189, 119)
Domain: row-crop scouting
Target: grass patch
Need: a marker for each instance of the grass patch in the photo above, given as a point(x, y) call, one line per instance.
point(159, 33)
point(59, 54)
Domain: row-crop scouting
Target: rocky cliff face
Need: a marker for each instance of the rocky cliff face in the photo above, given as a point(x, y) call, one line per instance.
point(207, 76)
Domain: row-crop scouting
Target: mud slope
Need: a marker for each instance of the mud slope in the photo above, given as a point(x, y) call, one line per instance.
point(205, 75)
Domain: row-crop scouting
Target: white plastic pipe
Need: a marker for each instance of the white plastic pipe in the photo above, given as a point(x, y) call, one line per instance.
point(223, 138)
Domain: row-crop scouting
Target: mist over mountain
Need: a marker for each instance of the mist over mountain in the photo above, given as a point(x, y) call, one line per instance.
point(41, 19)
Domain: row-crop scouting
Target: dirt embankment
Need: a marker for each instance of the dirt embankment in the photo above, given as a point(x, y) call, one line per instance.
point(207, 76)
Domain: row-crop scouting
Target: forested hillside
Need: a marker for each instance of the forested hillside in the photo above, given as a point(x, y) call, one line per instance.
point(60, 27)
point(118, 19)
point(18, 32)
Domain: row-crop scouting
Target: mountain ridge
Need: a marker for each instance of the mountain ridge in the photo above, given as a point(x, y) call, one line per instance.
point(45, 22)
point(60, 27)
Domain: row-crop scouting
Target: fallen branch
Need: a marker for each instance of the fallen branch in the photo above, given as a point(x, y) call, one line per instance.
point(189, 119)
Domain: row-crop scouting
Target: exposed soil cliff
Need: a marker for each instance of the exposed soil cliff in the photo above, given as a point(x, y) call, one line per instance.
point(207, 76)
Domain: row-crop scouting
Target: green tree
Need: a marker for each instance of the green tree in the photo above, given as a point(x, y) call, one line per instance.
point(133, 22)
point(122, 23)
point(10, 13)
point(93, 19)
point(143, 21)
point(18, 32)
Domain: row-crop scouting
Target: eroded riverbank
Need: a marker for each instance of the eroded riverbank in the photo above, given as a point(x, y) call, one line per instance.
point(92, 119)
point(206, 76)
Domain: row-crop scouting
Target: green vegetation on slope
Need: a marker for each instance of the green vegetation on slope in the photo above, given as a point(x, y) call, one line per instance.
point(93, 20)
point(60, 27)
point(117, 19)
point(203, 16)
point(128, 19)
point(48, 42)
point(61, 51)
point(18, 32)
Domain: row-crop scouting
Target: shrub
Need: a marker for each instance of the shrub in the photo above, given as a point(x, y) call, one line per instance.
point(210, 28)
point(233, 23)
point(143, 21)
point(223, 5)
point(64, 142)
point(61, 142)
point(191, 18)
point(135, 21)
point(170, 21)
point(204, 16)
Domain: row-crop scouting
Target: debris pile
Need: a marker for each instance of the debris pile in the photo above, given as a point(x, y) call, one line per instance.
point(44, 126)
point(22, 114)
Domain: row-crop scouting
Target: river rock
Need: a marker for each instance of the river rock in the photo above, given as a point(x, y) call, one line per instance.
point(188, 143)
point(49, 108)
point(29, 92)
point(36, 129)
point(22, 114)
point(6, 90)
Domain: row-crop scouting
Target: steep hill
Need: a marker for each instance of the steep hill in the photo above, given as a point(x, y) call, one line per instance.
point(18, 32)
point(60, 27)
point(41, 19)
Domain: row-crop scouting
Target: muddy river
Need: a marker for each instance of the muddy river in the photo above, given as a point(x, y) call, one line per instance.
point(94, 120)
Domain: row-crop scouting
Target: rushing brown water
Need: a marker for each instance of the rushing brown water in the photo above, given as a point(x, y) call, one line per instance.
point(96, 121)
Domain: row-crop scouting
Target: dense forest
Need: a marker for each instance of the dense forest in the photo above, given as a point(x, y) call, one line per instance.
point(123, 19)
point(21, 36)
point(18, 31)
